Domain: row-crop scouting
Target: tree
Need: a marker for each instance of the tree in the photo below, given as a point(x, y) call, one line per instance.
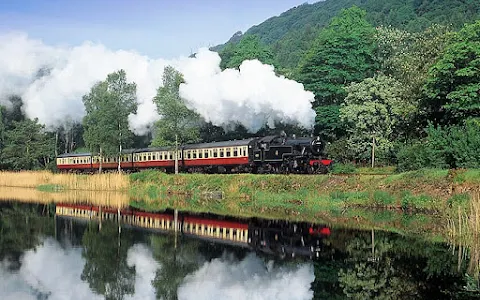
point(249, 47)
point(27, 146)
point(2, 132)
point(453, 86)
point(177, 122)
point(343, 53)
point(375, 109)
point(108, 106)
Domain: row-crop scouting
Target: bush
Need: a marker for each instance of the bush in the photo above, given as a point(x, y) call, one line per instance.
point(417, 156)
point(451, 147)
point(347, 168)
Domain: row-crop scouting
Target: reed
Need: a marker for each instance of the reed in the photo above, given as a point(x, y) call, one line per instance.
point(30, 195)
point(95, 182)
point(463, 229)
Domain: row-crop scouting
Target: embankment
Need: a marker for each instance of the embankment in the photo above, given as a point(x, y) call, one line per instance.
point(293, 196)
point(425, 190)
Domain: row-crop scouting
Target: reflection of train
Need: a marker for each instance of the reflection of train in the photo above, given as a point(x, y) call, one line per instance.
point(270, 154)
point(280, 238)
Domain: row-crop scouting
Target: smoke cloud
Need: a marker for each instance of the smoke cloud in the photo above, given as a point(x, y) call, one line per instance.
point(253, 95)
point(52, 80)
point(251, 278)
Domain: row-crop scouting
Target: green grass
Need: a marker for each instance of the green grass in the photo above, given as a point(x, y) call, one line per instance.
point(301, 196)
point(50, 188)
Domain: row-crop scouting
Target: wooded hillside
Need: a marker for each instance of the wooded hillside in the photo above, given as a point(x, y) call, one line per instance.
point(292, 33)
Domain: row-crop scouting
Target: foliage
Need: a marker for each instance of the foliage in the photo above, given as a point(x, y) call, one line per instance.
point(343, 53)
point(2, 131)
point(176, 119)
point(447, 147)
point(107, 106)
point(27, 146)
point(375, 109)
point(347, 168)
point(290, 33)
point(290, 50)
point(453, 86)
point(408, 56)
point(328, 123)
point(249, 47)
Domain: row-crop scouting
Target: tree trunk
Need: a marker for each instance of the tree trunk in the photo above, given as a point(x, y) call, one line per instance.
point(56, 143)
point(373, 152)
point(176, 154)
point(100, 162)
point(120, 150)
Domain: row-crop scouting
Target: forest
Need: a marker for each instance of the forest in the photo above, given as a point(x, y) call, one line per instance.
point(402, 76)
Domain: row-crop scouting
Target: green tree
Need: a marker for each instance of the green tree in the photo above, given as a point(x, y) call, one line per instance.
point(108, 105)
point(177, 122)
point(453, 86)
point(343, 53)
point(249, 47)
point(375, 108)
point(27, 146)
point(2, 133)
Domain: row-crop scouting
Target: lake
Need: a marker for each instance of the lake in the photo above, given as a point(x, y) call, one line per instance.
point(68, 251)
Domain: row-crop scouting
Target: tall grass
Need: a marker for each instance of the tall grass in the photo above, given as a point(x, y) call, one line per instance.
point(96, 182)
point(29, 195)
point(463, 229)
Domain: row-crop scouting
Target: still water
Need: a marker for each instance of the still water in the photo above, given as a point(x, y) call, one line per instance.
point(84, 252)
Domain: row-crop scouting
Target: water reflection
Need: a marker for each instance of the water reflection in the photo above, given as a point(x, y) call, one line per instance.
point(48, 257)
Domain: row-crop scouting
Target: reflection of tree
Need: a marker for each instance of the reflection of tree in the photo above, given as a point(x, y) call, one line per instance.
point(375, 274)
point(106, 269)
point(21, 227)
point(175, 263)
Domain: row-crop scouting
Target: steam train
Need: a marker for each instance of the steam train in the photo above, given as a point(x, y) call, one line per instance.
point(282, 239)
point(269, 154)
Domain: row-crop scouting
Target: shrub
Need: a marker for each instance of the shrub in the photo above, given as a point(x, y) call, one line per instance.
point(347, 168)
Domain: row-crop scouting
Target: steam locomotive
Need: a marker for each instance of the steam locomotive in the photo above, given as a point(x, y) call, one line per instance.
point(269, 154)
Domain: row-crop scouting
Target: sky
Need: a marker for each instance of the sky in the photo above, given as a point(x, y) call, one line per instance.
point(155, 28)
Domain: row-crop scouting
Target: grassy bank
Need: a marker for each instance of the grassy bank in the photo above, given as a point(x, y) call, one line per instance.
point(431, 191)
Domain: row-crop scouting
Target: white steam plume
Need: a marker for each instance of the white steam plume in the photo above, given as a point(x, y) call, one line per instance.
point(252, 96)
point(251, 278)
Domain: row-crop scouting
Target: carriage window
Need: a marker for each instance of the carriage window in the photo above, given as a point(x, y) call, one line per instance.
point(215, 153)
point(206, 153)
point(149, 157)
point(200, 154)
point(194, 154)
point(235, 151)
point(170, 155)
point(227, 154)
point(221, 152)
point(188, 154)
